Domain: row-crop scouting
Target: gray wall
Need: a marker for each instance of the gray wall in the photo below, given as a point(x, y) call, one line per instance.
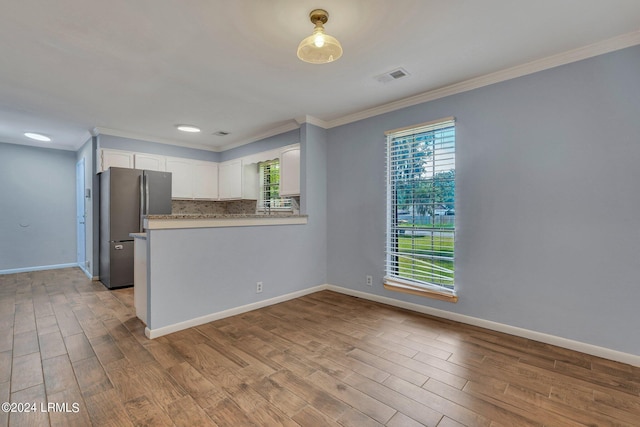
point(287, 138)
point(220, 266)
point(548, 206)
point(140, 146)
point(37, 207)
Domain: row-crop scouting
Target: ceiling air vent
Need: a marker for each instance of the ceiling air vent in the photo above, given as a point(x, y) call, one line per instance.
point(390, 76)
point(221, 133)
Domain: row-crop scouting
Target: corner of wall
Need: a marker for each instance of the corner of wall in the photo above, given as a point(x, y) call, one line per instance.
point(313, 176)
point(95, 205)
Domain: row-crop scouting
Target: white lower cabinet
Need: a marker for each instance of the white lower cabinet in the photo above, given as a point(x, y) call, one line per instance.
point(140, 277)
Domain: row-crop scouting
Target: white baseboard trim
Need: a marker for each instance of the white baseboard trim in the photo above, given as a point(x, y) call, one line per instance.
point(591, 349)
point(594, 350)
point(158, 332)
point(87, 273)
point(38, 268)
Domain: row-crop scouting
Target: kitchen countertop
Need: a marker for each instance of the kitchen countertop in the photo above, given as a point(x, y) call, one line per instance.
point(178, 221)
point(142, 236)
point(224, 216)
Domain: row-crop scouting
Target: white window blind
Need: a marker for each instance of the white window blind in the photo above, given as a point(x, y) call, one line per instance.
point(421, 206)
point(270, 199)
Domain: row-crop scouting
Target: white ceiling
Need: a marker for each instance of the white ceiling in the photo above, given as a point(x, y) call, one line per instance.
point(138, 68)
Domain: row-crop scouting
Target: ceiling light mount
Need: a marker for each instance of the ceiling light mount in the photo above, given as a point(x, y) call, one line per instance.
point(319, 47)
point(318, 17)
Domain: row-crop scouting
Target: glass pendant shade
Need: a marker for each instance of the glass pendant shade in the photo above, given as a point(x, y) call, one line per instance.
point(319, 48)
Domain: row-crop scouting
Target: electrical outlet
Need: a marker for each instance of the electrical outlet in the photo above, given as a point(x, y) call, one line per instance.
point(258, 287)
point(369, 281)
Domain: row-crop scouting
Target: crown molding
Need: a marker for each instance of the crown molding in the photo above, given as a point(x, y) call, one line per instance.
point(286, 127)
point(132, 135)
point(313, 121)
point(289, 126)
point(585, 52)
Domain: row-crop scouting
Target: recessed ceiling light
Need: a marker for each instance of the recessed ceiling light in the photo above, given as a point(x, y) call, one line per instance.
point(37, 136)
point(188, 128)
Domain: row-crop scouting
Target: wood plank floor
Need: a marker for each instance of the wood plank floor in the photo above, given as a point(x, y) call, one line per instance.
point(324, 359)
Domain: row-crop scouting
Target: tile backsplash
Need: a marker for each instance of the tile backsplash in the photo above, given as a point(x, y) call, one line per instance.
point(212, 207)
point(241, 206)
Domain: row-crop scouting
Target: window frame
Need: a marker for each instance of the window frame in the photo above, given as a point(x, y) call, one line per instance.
point(286, 201)
point(407, 282)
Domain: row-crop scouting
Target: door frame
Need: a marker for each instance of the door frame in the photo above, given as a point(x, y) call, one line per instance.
point(81, 217)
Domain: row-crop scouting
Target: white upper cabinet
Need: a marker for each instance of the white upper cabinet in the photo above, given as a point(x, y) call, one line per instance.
point(205, 180)
point(149, 162)
point(239, 178)
point(230, 180)
point(235, 179)
point(181, 177)
point(115, 158)
point(290, 172)
point(250, 181)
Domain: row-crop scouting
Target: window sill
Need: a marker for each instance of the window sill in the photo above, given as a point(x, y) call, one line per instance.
point(274, 211)
point(414, 290)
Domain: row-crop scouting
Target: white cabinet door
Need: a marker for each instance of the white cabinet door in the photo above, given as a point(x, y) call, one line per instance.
point(149, 162)
point(230, 180)
point(290, 172)
point(181, 177)
point(140, 278)
point(205, 180)
point(115, 158)
point(250, 181)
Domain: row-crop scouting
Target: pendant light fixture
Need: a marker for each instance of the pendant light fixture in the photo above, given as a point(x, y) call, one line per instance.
point(319, 48)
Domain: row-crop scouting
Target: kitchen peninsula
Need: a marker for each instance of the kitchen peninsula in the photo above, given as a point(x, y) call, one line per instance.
point(157, 222)
point(202, 267)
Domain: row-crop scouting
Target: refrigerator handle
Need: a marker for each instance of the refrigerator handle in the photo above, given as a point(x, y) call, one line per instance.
point(142, 197)
point(147, 195)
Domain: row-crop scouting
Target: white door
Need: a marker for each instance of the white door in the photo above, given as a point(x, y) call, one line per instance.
point(80, 215)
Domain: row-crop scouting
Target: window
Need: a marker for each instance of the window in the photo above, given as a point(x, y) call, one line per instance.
point(270, 188)
point(421, 210)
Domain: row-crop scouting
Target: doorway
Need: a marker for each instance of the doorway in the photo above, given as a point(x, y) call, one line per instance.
point(81, 217)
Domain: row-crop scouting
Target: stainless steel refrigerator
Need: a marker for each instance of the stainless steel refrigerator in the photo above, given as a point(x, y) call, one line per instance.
point(126, 195)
